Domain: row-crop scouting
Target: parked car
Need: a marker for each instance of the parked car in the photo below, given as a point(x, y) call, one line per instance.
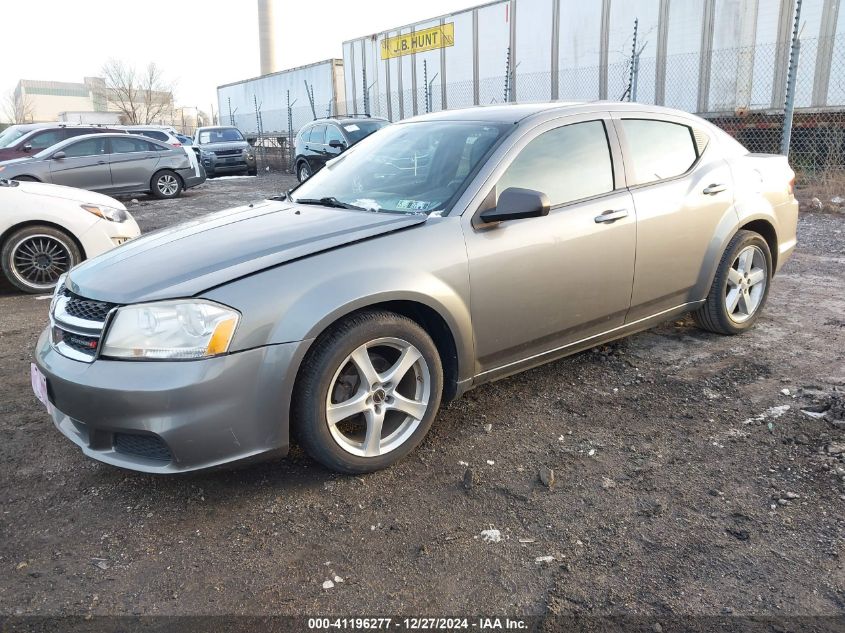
point(45, 136)
point(224, 150)
point(321, 140)
point(110, 163)
point(45, 230)
point(346, 313)
point(155, 132)
point(14, 132)
point(186, 141)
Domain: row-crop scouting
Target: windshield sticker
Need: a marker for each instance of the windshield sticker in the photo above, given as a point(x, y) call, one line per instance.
point(367, 203)
point(414, 205)
point(351, 128)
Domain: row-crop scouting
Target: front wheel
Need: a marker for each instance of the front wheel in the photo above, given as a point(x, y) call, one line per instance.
point(33, 258)
point(740, 288)
point(166, 184)
point(368, 392)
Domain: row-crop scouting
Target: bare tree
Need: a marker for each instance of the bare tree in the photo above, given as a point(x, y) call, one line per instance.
point(142, 97)
point(17, 107)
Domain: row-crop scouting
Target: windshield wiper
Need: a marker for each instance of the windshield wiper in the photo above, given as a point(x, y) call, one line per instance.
point(328, 201)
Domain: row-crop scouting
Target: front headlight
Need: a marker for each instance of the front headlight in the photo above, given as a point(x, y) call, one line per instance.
point(184, 329)
point(107, 213)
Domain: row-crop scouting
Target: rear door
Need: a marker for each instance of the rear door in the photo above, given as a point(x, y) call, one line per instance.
point(683, 191)
point(133, 161)
point(315, 148)
point(85, 165)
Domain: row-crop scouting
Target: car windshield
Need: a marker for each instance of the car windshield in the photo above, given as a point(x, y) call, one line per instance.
point(223, 135)
point(10, 135)
point(408, 168)
point(357, 130)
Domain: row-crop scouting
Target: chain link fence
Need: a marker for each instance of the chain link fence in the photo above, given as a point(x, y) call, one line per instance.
point(744, 92)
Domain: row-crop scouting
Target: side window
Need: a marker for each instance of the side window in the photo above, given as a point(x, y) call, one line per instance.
point(568, 163)
point(658, 149)
point(129, 145)
point(88, 147)
point(46, 139)
point(159, 136)
point(333, 134)
point(318, 133)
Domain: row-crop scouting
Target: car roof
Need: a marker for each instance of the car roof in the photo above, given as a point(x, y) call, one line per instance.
point(120, 136)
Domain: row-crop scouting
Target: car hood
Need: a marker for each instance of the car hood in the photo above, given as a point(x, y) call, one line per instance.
point(69, 193)
point(190, 258)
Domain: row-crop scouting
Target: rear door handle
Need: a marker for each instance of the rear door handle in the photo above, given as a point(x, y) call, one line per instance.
point(611, 216)
point(714, 189)
point(101, 162)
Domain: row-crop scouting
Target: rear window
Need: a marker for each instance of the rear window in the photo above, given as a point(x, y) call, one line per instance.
point(658, 149)
point(356, 130)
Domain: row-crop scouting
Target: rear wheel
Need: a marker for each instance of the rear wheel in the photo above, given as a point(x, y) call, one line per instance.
point(33, 258)
point(740, 288)
point(303, 172)
point(367, 393)
point(166, 184)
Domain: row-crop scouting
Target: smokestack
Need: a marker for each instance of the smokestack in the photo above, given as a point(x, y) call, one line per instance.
point(267, 35)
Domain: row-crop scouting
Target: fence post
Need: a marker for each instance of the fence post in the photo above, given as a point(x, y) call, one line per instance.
point(290, 135)
point(310, 94)
point(789, 106)
point(425, 85)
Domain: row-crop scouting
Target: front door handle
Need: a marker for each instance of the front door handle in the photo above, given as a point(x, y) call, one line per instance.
point(101, 162)
point(714, 189)
point(611, 216)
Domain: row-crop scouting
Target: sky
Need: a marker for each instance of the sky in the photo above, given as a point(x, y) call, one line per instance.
point(201, 44)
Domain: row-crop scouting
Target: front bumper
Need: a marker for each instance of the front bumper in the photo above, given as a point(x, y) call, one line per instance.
point(215, 165)
point(166, 417)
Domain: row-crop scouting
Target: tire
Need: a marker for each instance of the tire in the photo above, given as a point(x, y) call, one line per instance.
point(740, 288)
point(166, 184)
point(303, 171)
point(34, 257)
point(25, 179)
point(329, 375)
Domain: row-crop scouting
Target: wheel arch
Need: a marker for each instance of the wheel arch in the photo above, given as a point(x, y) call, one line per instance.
point(767, 231)
point(22, 225)
point(424, 315)
point(161, 169)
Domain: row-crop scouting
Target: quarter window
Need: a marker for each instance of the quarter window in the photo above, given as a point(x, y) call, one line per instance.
point(568, 163)
point(658, 149)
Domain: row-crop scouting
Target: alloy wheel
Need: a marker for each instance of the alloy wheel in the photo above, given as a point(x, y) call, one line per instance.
point(378, 397)
point(747, 279)
point(304, 173)
point(168, 185)
point(39, 260)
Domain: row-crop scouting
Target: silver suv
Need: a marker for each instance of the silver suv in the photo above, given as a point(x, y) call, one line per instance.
point(345, 314)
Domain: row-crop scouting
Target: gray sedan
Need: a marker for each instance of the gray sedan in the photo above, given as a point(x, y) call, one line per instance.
point(110, 163)
point(344, 314)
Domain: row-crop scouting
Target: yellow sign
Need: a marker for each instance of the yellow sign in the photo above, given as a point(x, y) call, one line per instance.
point(419, 41)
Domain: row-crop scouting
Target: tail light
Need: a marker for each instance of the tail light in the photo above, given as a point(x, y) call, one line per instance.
point(176, 144)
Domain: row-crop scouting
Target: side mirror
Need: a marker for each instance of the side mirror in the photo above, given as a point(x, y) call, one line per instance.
point(337, 144)
point(59, 155)
point(27, 147)
point(516, 203)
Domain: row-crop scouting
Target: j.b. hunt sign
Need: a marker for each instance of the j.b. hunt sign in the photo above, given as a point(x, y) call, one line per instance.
point(419, 41)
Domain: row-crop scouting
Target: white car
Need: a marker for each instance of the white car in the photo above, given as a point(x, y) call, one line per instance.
point(45, 230)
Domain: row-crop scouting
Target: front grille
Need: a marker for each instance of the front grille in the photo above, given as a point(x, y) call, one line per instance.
point(86, 309)
point(145, 446)
point(228, 152)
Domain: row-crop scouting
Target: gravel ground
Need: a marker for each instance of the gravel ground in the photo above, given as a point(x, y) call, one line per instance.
point(686, 481)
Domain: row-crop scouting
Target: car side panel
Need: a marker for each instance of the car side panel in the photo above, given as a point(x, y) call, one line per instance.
point(132, 169)
point(84, 172)
point(425, 264)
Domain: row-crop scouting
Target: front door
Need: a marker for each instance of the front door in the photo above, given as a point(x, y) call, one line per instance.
point(539, 285)
point(85, 165)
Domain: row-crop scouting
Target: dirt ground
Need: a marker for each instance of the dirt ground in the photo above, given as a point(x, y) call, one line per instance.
point(687, 481)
